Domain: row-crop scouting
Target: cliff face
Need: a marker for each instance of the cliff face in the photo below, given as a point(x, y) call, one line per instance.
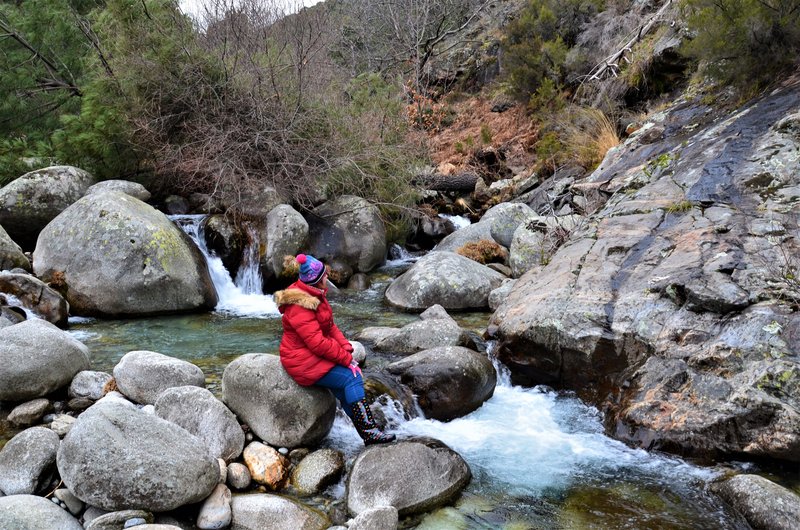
point(674, 307)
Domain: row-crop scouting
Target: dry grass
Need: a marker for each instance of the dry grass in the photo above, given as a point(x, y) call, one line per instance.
point(587, 135)
point(484, 251)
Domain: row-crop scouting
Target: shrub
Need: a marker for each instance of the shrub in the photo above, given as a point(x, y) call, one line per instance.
point(486, 134)
point(484, 251)
point(587, 135)
point(744, 41)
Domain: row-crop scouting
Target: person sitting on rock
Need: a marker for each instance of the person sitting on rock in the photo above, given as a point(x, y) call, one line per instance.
point(315, 352)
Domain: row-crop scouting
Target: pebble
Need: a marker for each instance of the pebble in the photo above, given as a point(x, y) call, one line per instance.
point(70, 501)
point(29, 413)
point(136, 521)
point(238, 476)
point(62, 424)
point(215, 513)
point(223, 471)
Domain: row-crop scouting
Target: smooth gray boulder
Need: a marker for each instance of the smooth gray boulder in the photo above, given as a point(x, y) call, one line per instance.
point(89, 384)
point(380, 518)
point(29, 512)
point(498, 296)
point(27, 461)
point(449, 381)
point(36, 296)
point(117, 457)
point(469, 234)
point(317, 471)
point(37, 359)
point(348, 229)
point(286, 234)
point(134, 189)
point(11, 256)
point(414, 476)
point(117, 256)
point(423, 335)
point(278, 410)
point(529, 249)
point(144, 375)
point(199, 412)
point(444, 278)
point(765, 504)
point(271, 512)
point(30, 202)
point(505, 218)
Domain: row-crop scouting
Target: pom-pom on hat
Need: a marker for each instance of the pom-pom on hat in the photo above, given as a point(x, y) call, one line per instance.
point(311, 269)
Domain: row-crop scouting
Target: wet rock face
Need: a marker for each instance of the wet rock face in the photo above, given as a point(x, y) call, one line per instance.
point(762, 502)
point(36, 296)
point(115, 255)
point(672, 307)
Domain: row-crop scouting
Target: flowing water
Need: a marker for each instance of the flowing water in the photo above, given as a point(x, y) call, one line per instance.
point(539, 458)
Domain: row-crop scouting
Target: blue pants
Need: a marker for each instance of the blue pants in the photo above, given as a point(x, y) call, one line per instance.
point(345, 387)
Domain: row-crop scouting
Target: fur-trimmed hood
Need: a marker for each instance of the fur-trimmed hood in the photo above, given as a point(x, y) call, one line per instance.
point(294, 296)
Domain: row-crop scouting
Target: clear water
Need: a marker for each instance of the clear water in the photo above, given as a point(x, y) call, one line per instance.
point(539, 458)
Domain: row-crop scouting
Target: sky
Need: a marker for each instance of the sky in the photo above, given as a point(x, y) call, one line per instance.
point(193, 6)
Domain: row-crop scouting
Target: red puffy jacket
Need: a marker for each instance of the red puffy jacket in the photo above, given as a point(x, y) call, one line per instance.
point(311, 344)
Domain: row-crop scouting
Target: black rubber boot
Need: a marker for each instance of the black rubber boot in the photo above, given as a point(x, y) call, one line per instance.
point(366, 426)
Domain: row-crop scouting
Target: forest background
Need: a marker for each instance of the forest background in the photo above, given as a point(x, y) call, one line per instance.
point(357, 96)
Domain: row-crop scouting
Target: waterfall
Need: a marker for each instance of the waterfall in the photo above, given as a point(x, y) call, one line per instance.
point(233, 300)
point(248, 278)
point(459, 221)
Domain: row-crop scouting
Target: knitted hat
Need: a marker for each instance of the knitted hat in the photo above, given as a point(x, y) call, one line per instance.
point(311, 269)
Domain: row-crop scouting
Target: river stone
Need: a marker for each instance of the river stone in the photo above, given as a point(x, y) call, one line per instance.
point(469, 234)
point(27, 461)
point(36, 296)
point(73, 503)
point(278, 410)
point(37, 359)
point(116, 520)
point(62, 424)
point(117, 457)
point(134, 189)
point(11, 256)
point(117, 256)
point(224, 237)
point(29, 512)
point(238, 476)
point(266, 465)
point(372, 335)
point(270, 512)
point(449, 381)
point(530, 249)
point(505, 218)
point(380, 518)
point(215, 512)
point(423, 335)
point(89, 384)
point(763, 503)
point(144, 375)
point(30, 202)
point(498, 296)
point(10, 316)
point(199, 412)
point(286, 234)
point(349, 229)
point(414, 476)
point(443, 278)
point(29, 413)
point(317, 471)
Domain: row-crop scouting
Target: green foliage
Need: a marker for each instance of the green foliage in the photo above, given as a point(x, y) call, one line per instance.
point(745, 42)
point(537, 42)
point(486, 134)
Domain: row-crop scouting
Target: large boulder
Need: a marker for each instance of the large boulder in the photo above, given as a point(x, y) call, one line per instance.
point(30, 202)
point(349, 229)
point(117, 457)
point(505, 218)
point(414, 476)
point(37, 296)
point(444, 278)
point(286, 234)
point(29, 512)
point(423, 335)
point(271, 512)
point(134, 189)
point(199, 412)
point(317, 471)
point(144, 375)
point(11, 255)
point(481, 231)
point(115, 255)
point(675, 296)
point(37, 358)
point(278, 410)
point(27, 461)
point(765, 504)
point(449, 382)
